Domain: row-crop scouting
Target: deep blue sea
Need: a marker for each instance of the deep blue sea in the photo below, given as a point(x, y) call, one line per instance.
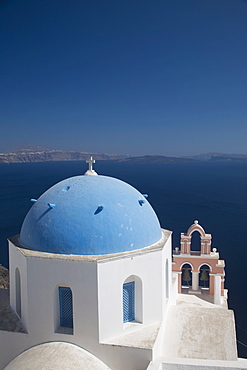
point(215, 193)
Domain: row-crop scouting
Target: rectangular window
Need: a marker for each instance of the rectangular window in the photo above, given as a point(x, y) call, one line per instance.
point(66, 307)
point(129, 301)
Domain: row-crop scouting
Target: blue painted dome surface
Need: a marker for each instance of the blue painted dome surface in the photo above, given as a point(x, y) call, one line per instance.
point(90, 215)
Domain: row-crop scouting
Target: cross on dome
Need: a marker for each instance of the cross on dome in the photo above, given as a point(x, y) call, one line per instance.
point(90, 162)
point(90, 170)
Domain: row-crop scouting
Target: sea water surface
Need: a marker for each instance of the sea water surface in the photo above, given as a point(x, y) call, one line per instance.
point(215, 193)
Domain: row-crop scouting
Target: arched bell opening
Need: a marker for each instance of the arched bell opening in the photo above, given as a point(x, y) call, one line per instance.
point(204, 279)
point(186, 277)
point(195, 246)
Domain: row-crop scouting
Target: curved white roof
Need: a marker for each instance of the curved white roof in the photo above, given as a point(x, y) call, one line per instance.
point(56, 356)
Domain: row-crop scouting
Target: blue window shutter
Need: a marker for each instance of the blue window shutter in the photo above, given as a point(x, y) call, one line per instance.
point(66, 307)
point(129, 301)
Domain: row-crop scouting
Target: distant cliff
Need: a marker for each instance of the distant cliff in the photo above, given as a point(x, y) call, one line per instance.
point(34, 154)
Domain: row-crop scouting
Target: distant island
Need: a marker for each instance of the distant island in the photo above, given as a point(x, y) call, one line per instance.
point(214, 156)
point(37, 154)
point(154, 159)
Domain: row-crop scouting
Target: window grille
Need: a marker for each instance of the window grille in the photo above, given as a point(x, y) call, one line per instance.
point(129, 301)
point(66, 307)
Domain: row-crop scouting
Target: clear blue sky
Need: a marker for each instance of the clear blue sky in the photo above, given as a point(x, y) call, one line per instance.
point(133, 77)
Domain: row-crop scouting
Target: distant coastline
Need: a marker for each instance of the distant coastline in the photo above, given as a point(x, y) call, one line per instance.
point(30, 154)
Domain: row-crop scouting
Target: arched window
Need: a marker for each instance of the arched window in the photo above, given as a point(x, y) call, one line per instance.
point(18, 292)
point(167, 278)
point(129, 301)
point(132, 299)
point(66, 307)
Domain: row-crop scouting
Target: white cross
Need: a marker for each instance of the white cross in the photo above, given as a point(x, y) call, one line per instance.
point(90, 162)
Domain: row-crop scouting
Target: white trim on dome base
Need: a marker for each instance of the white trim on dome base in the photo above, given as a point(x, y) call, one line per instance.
point(90, 173)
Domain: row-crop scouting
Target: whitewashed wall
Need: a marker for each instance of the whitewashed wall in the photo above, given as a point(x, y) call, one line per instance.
point(97, 301)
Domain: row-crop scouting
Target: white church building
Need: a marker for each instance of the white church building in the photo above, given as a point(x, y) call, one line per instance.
point(94, 285)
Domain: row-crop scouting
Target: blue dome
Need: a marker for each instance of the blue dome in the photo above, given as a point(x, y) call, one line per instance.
point(90, 215)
